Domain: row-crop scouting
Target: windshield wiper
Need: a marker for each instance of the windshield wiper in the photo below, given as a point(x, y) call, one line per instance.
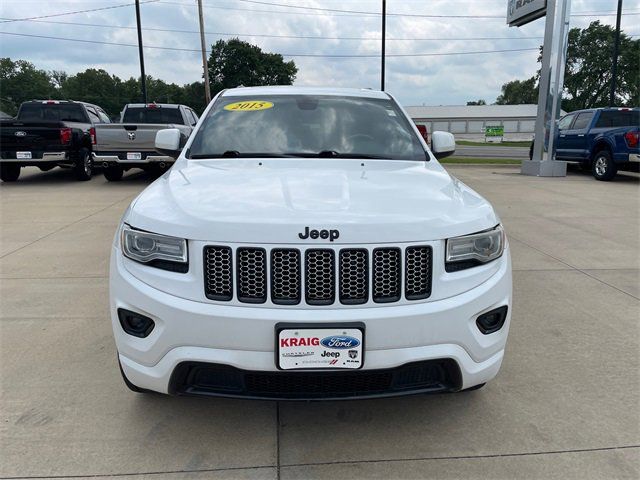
point(334, 154)
point(237, 154)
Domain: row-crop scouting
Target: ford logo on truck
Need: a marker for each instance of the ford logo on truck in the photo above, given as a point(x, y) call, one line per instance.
point(340, 342)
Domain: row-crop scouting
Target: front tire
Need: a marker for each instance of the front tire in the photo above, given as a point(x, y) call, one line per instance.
point(83, 167)
point(603, 167)
point(9, 172)
point(113, 173)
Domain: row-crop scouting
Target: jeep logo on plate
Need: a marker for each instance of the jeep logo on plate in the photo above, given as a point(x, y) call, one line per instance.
point(340, 342)
point(20, 133)
point(315, 234)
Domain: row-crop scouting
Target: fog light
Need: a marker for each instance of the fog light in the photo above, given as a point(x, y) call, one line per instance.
point(492, 321)
point(135, 324)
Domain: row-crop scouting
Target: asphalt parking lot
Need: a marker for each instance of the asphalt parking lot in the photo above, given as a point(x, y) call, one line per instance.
point(565, 405)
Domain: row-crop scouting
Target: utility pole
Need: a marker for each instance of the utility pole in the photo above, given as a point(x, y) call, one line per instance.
point(143, 77)
point(205, 66)
point(614, 66)
point(384, 34)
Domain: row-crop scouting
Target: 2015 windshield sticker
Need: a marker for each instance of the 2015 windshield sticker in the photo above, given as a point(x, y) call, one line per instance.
point(248, 106)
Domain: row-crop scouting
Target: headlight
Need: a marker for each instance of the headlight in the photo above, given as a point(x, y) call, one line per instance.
point(471, 250)
point(160, 251)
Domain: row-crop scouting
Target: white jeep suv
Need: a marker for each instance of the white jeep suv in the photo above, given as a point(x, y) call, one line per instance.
point(307, 244)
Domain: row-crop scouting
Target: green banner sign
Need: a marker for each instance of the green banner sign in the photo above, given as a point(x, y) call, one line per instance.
point(495, 131)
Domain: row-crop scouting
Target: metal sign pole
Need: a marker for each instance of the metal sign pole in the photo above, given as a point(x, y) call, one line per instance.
point(143, 76)
point(554, 55)
point(384, 40)
point(205, 66)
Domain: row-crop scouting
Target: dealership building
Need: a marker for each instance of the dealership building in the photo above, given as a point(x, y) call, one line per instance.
point(470, 121)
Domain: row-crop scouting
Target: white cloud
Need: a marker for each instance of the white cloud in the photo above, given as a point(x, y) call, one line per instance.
point(413, 80)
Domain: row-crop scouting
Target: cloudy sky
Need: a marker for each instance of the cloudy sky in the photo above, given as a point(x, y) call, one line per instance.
point(276, 26)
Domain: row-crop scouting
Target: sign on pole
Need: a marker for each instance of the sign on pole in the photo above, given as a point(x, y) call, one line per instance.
point(521, 12)
point(493, 133)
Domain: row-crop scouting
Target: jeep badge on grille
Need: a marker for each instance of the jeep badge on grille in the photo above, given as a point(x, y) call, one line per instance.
point(324, 234)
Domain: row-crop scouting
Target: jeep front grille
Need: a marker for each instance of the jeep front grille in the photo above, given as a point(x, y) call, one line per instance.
point(252, 275)
point(318, 276)
point(286, 277)
point(218, 273)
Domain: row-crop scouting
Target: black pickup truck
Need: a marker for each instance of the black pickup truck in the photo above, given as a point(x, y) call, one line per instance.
point(48, 134)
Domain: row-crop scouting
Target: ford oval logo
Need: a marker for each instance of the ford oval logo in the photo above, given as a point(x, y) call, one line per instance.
point(340, 342)
point(20, 133)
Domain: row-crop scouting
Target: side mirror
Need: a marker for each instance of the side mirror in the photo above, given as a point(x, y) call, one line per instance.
point(443, 144)
point(169, 141)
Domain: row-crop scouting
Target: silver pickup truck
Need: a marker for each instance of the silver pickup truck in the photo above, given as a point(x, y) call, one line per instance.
point(131, 143)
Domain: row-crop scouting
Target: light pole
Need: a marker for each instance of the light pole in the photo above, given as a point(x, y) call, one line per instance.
point(143, 77)
point(614, 66)
point(384, 34)
point(205, 66)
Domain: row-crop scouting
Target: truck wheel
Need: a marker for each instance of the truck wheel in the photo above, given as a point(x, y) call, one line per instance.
point(603, 167)
point(83, 167)
point(9, 172)
point(113, 173)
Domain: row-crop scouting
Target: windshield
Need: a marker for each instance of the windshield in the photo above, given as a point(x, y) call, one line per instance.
point(152, 115)
point(52, 112)
point(306, 126)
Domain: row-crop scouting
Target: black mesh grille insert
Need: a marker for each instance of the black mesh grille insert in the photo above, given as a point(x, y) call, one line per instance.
point(218, 273)
point(252, 275)
point(354, 276)
point(286, 276)
point(386, 275)
point(320, 277)
point(417, 273)
point(214, 379)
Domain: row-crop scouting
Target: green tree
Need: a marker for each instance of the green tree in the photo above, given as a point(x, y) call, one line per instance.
point(587, 81)
point(587, 78)
point(477, 102)
point(234, 62)
point(519, 92)
point(95, 86)
point(21, 80)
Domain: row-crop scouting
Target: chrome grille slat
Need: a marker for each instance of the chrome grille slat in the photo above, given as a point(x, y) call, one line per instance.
point(417, 272)
point(252, 275)
point(320, 279)
point(316, 276)
point(354, 276)
point(286, 276)
point(218, 273)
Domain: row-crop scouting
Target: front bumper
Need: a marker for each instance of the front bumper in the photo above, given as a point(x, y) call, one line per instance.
point(240, 340)
point(121, 159)
point(45, 157)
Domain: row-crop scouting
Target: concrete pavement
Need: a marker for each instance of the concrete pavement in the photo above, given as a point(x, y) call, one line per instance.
point(565, 404)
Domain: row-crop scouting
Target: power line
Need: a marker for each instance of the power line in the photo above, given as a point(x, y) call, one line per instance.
point(334, 10)
point(269, 35)
point(311, 55)
point(355, 13)
point(111, 7)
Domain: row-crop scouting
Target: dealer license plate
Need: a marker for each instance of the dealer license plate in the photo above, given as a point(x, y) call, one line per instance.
point(23, 155)
point(320, 348)
point(134, 156)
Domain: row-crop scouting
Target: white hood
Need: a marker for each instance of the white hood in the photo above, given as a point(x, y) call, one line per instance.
point(272, 200)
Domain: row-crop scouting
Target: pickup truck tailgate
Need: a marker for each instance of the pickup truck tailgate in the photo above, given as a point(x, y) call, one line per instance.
point(119, 137)
point(31, 136)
